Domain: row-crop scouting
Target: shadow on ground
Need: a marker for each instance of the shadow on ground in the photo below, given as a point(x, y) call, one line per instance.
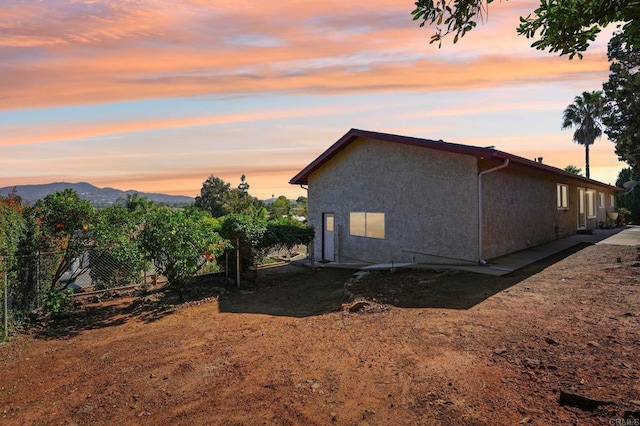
point(301, 292)
point(114, 308)
point(296, 291)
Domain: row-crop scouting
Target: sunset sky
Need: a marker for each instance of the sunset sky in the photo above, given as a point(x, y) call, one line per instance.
point(156, 95)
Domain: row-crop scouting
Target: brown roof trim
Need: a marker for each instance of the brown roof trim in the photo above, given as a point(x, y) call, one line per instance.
point(302, 178)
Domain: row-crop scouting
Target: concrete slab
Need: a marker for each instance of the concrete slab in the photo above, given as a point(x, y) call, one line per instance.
point(629, 236)
point(386, 266)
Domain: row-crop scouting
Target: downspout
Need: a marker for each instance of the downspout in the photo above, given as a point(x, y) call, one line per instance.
point(484, 172)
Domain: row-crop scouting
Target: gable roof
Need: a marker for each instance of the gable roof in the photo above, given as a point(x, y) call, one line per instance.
point(302, 178)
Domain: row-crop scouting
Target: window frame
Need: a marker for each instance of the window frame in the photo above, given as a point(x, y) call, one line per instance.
point(591, 203)
point(369, 221)
point(562, 196)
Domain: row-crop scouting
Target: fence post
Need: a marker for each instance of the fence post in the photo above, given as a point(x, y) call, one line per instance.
point(6, 305)
point(238, 262)
point(38, 298)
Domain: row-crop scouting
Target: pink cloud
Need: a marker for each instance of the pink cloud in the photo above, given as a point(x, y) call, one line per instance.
point(92, 52)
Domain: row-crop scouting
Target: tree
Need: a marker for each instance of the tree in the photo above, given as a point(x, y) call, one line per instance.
point(622, 118)
point(285, 233)
point(217, 197)
point(244, 234)
point(179, 243)
point(301, 207)
point(565, 26)
point(585, 114)
point(629, 200)
point(254, 237)
point(134, 202)
point(281, 207)
point(12, 226)
point(212, 196)
point(63, 218)
point(573, 169)
point(243, 186)
point(236, 201)
point(115, 256)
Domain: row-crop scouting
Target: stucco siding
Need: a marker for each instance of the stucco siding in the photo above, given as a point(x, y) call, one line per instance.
point(430, 208)
point(428, 193)
point(520, 209)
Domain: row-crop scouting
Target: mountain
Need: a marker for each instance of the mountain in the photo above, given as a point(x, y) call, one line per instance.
point(99, 197)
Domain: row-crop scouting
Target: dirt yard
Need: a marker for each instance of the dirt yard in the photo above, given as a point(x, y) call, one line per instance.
point(556, 343)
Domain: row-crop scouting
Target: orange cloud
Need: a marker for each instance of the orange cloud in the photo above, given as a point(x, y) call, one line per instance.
point(127, 51)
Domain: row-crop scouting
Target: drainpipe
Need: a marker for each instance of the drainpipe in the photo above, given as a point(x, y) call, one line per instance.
point(484, 172)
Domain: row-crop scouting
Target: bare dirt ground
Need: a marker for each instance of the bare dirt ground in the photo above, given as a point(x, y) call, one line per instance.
point(427, 348)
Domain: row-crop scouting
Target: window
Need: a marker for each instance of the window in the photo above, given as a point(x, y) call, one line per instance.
point(591, 203)
point(601, 200)
point(563, 197)
point(612, 200)
point(366, 224)
point(329, 223)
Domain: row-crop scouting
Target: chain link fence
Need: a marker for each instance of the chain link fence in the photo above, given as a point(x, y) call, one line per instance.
point(26, 279)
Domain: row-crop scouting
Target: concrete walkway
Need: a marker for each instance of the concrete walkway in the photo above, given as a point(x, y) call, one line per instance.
point(628, 236)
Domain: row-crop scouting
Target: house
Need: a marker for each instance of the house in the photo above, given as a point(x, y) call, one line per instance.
point(380, 198)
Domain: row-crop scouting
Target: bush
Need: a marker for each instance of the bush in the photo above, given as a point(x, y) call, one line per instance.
point(58, 303)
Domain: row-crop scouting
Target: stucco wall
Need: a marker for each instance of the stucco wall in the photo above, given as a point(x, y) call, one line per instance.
point(429, 199)
point(520, 209)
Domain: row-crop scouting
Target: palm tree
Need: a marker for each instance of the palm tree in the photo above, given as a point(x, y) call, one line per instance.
point(585, 114)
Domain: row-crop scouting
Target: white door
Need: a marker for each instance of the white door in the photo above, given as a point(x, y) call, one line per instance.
point(582, 209)
point(327, 236)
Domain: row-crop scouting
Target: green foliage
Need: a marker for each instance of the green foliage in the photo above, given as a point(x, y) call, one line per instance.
point(244, 228)
point(135, 203)
point(212, 196)
point(585, 114)
point(237, 201)
point(12, 226)
point(57, 302)
point(573, 169)
point(286, 233)
point(629, 200)
point(217, 197)
point(623, 113)
point(115, 256)
point(179, 244)
point(256, 236)
point(456, 16)
point(301, 207)
point(565, 26)
point(281, 207)
point(245, 234)
point(63, 218)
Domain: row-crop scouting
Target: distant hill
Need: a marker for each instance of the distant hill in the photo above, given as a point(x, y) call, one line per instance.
point(99, 197)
